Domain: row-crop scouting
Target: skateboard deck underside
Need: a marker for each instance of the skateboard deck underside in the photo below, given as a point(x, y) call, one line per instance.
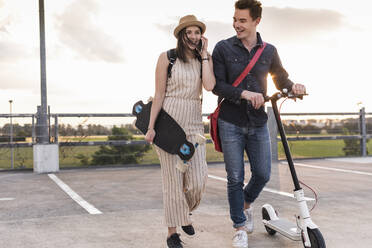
point(169, 135)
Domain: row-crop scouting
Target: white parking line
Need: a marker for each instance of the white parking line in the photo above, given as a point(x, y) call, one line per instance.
point(274, 191)
point(84, 204)
point(6, 199)
point(333, 169)
point(357, 160)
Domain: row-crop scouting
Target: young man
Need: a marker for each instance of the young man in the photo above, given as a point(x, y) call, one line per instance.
point(242, 120)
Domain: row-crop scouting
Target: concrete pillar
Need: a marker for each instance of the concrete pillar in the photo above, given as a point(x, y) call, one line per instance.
point(46, 158)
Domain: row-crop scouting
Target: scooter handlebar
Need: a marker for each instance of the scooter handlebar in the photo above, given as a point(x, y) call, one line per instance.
point(284, 93)
point(276, 96)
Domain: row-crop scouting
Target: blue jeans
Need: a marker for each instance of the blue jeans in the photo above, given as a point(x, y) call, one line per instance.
point(256, 143)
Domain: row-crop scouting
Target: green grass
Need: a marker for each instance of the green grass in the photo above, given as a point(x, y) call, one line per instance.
point(313, 148)
point(23, 157)
point(82, 139)
point(67, 155)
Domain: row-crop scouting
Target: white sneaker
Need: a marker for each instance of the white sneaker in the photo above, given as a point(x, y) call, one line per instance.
point(249, 222)
point(240, 239)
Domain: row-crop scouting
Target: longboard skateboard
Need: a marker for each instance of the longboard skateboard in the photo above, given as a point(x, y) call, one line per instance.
point(169, 134)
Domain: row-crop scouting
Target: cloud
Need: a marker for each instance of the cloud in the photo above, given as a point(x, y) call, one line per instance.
point(11, 51)
point(288, 24)
point(292, 24)
point(77, 30)
point(165, 28)
point(217, 31)
point(4, 22)
point(3, 29)
point(18, 76)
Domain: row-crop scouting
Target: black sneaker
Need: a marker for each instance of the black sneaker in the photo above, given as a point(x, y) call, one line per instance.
point(189, 230)
point(174, 241)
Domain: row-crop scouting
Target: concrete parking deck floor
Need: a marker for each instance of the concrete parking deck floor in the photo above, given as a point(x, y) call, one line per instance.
point(123, 207)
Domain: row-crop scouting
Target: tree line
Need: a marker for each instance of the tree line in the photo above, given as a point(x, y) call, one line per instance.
point(23, 131)
point(133, 154)
point(330, 127)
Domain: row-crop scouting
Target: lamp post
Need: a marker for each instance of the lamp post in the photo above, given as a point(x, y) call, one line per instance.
point(42, 114)
point(11, 136)
point(46, 157)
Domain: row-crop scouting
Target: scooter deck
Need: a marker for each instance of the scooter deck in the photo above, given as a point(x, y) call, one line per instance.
point(284, 227)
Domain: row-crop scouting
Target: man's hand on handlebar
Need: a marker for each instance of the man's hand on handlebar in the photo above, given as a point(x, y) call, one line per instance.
point(257, 100)
point(299, 89)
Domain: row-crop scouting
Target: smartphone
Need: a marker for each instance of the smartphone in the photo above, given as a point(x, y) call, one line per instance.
point(199, 46)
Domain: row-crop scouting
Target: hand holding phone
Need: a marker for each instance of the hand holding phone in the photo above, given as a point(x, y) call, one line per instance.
point(199, 47)
point(203, 44)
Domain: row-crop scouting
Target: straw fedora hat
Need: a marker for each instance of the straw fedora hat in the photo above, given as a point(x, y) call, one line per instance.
point(187, 21)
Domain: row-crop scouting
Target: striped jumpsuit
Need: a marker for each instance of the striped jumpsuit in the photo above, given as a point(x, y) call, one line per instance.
point(182, 192)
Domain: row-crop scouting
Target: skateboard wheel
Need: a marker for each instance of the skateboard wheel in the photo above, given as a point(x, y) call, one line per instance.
point(138, 109)
point(200, 139)
point(185, 150)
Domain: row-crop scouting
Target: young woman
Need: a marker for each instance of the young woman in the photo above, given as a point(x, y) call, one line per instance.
point(180, 96)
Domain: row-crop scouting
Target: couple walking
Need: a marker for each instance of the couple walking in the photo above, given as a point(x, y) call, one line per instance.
point(242, 126)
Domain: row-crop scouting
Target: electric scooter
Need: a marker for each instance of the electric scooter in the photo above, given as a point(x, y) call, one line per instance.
point(304, 229)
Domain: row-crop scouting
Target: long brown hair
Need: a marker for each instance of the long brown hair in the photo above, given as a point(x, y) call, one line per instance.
point(182, 46)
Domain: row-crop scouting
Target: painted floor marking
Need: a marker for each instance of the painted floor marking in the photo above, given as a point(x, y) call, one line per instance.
point(6, 199)
point(274, 191)
point(333, 169)
point(84, 204)
point(357, 160)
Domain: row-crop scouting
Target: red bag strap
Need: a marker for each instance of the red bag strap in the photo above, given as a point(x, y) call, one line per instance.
point(247, 69)
point(250, 65)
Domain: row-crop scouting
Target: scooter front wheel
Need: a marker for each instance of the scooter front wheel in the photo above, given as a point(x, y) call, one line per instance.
point(266, 216)
point(316, 239)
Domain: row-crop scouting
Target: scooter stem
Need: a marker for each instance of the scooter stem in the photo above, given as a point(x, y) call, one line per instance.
point(285, 144)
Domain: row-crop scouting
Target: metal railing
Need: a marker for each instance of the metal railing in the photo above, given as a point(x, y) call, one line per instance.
point(362, 136)
point(54, 137)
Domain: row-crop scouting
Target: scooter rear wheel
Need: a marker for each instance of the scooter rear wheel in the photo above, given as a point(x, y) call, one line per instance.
point(266, 216)
point(316, 239)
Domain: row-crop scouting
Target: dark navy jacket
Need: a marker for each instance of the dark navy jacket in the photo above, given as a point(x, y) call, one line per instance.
point(230, 57)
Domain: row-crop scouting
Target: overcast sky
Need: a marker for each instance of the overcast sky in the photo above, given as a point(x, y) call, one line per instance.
point(101, 55)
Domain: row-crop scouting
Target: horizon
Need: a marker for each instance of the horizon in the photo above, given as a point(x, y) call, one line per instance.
point(85, 121)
